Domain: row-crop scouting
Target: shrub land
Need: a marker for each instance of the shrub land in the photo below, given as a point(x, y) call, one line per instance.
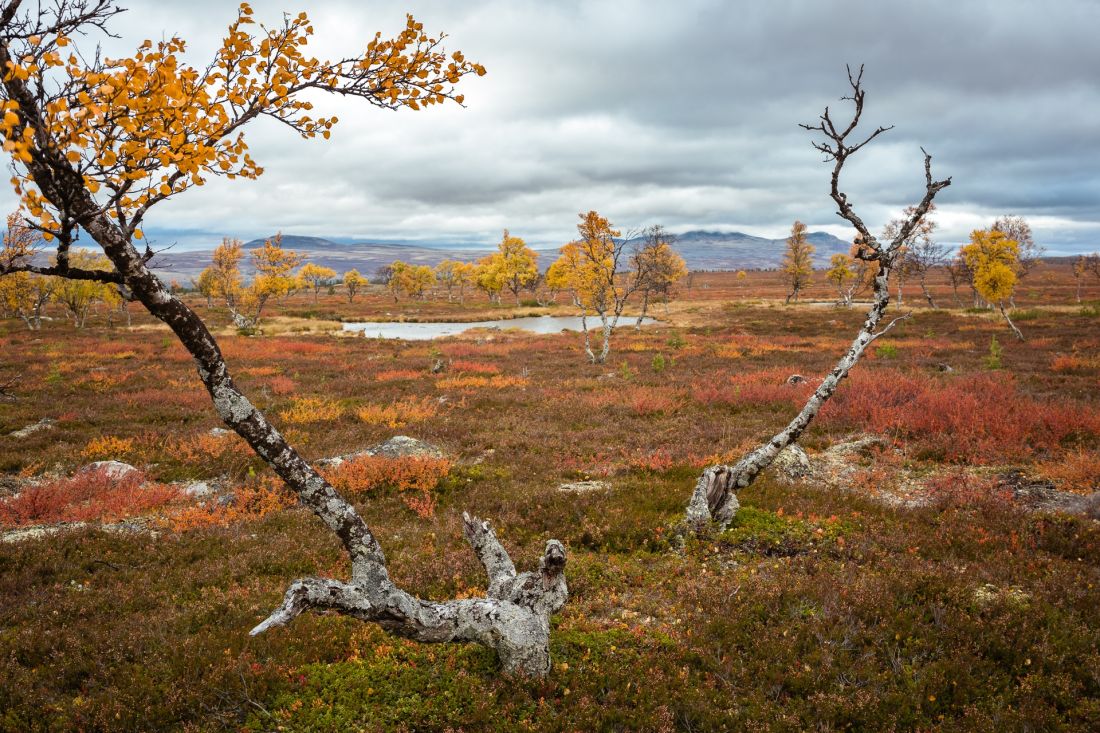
point(818, 608)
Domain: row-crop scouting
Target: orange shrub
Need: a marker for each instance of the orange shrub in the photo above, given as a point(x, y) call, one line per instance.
point(475, 382)
point(102, 381)
point(87, 496)
point(1074, 364)
point(1077, 471)
point(206, 448)
point(310, 410)
point(652, 400)
point(250, 502)
point(397, 375)
point(654, 461)
point(765, 387)
point(262, 371)
point(401, 412)
point(107, 447)
point(190, 397)
point(281, 385)
point(595, 400)
point(371, 474)
point(474, 367)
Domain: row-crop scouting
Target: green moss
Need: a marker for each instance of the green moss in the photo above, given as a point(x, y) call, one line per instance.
point(768, 533)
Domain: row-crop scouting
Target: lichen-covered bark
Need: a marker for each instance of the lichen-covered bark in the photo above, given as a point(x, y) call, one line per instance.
point(714, 498)
point(513, 619)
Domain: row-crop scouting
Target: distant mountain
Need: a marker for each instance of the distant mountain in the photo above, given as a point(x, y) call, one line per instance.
point(738, 251)
point(701, 250)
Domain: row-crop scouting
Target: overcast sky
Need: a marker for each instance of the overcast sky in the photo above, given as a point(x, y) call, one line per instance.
point(682, 113)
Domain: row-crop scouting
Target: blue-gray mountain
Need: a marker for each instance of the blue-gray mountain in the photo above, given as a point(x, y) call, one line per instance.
point(700, 249)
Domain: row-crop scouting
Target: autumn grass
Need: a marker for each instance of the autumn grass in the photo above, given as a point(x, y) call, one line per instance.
point(816, 610)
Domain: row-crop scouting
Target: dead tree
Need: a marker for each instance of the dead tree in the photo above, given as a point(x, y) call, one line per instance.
point(514, 617)
point(714, 498)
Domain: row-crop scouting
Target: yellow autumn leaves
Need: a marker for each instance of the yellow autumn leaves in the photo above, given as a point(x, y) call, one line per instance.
point(143, 128)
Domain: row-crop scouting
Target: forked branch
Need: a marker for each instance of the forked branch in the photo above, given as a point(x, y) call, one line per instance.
point(714, 499)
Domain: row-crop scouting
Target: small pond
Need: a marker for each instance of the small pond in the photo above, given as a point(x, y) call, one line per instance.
point(426, 331)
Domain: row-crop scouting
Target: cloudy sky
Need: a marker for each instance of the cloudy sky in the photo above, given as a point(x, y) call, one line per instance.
point(679, 113)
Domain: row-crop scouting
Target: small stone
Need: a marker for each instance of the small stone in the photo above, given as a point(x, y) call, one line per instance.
point(198, 490)
point(581, 487)
point(402, 445)
point(114, 470)
point(46, 423)
point(39, 532)
point(944, 367)
point(220, 432)
point(399, 446)
point(796, 379)
point(989, 595)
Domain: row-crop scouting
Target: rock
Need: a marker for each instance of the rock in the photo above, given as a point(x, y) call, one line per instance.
point(45, 423)
point(792, 463)
point(399, 446)
point(796, 379)
point(438, 366)
point(581, 487)
point(114, 470)
point(989, 595)
point(861, 446)
point(402, 445)
point(944, 367)
point(220, 432)
point(198, 490)
point(37, 533)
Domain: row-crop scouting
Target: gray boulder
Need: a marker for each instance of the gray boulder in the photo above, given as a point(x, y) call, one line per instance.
point(114, 470)
point(792, 463)
point(399, 446)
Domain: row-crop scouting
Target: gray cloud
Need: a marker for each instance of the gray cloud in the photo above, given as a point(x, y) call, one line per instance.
point(681, 113)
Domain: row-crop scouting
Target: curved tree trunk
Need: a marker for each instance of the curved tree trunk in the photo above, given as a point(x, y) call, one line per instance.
point(513, 619)
point(714, 498)
point(645, 307)
point(1008, 320)
point(927, 295)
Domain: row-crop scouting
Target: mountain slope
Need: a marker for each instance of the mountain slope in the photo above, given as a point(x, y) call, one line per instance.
point(701, 250)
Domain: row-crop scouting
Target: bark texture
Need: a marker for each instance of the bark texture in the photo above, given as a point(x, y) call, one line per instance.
point(714, 498)
point(513, 619)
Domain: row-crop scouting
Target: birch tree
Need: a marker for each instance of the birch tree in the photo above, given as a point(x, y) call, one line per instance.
point(715, 499)
point(95, 144)
point(592, 269)
point(798, 265)
point(994, 260)
point(657, 267)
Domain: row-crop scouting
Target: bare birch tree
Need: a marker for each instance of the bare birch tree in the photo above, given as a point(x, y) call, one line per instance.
point(714, 498)
point(150, 128)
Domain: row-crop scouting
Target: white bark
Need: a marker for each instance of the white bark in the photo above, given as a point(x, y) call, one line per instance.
point(513, 618)
point(714, 498)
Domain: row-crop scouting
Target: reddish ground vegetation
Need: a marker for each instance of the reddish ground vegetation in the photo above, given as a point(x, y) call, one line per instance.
point(967, 419)
point(89, 495)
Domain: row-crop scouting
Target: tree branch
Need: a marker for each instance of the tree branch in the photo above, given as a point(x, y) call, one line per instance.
point(69, 273)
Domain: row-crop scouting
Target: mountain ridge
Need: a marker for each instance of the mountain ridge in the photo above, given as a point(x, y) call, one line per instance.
point(701, 250)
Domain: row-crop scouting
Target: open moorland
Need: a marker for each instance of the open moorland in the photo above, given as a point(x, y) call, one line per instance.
point(936, 568)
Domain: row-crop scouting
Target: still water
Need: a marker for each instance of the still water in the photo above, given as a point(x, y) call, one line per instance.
point(426, 331)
